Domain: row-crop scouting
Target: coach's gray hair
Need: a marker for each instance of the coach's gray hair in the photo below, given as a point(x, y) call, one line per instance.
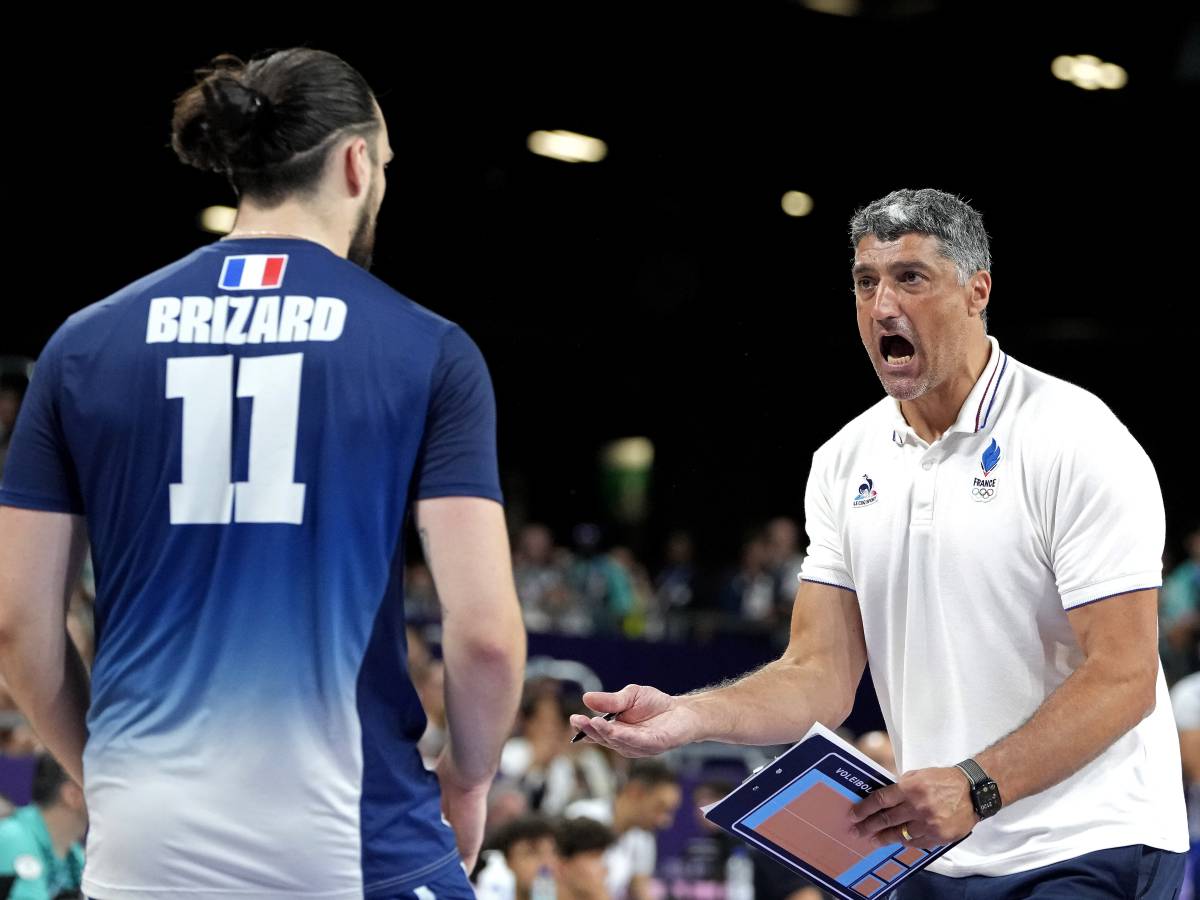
point(958, 227)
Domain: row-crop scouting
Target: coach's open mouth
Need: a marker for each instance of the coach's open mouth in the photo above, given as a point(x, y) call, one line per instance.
point(895, 350)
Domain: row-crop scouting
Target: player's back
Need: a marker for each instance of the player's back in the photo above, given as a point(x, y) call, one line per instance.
point(246, 429)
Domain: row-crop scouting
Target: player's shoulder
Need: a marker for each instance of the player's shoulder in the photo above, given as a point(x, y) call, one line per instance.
point(84, 323)
point(368, 289)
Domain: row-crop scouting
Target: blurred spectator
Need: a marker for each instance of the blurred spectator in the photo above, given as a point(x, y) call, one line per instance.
point(645, 804)
point(602, 585)
point(784, 559)
point(524, 846)
point(16, 737)
point(541, 760)
point(582, 872)
point(775, 881)
point(40, 843)
point(750, 594)
point(643, 616)
point(1185, 700)
point(428, 678)
point(675, 585)
point(706, 854)
point(506, 802)
point(1179, 613)
point(877, 746)
point(540, 571)
point(420, 596)
point(14, 379)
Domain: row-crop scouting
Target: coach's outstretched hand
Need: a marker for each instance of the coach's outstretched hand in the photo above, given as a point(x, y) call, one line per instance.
point(648, 721)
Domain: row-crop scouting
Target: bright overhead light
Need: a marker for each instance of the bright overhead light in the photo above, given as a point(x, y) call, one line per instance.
point(1089, 72)
point(567, 146)
point(834, 7)
point(797, 203)
point(630, 453)
point(218, 219)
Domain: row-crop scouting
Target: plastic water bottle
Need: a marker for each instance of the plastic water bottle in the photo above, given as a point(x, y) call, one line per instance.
point(495, 881)
point(543, 885)
point(739, 875)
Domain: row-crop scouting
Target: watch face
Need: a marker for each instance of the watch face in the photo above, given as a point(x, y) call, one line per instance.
point(987, 799)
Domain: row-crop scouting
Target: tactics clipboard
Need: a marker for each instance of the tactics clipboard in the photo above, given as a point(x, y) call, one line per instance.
point(794, 810)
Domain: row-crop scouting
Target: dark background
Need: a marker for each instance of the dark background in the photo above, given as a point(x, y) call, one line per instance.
point(663, 292)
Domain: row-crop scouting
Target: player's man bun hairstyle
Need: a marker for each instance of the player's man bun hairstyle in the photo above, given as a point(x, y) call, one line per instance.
point(268, 124)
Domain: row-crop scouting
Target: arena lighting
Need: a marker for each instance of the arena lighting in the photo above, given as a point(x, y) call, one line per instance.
point(630, 453)
point(834, 7)
point(1089, 72)
point(567, 146)
point(218, 219)
point(797, 203)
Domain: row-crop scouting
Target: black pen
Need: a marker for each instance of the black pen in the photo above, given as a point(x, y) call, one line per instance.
point(579, 735)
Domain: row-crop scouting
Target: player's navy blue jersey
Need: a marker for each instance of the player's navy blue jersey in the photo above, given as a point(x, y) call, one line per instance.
point(245, 430)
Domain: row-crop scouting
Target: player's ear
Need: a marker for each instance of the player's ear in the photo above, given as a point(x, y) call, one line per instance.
point(356, 166)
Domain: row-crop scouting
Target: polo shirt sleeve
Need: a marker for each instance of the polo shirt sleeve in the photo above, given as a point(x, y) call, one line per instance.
point(824, 562)
point(1106, 527)
point(38, 472)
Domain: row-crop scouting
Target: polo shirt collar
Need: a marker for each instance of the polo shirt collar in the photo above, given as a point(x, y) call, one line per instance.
point(979, 411)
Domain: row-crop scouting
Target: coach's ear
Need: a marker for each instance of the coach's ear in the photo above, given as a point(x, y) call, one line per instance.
point(979, 292)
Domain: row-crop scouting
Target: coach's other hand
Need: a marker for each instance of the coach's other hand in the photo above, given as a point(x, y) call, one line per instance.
point(932, 805)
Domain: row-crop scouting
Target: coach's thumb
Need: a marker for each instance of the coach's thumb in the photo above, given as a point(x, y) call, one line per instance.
point(604, 702)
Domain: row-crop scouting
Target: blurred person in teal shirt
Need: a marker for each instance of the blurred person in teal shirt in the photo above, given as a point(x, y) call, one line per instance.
point(41, 856)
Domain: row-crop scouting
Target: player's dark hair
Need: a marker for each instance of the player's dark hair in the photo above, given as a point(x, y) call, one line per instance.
point(268, 124)
point(583, 835)
point(48, 777)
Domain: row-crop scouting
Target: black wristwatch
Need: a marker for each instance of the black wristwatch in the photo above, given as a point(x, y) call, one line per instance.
point(985, 796)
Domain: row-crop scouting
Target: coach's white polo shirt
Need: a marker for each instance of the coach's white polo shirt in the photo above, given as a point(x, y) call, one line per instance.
point(965, 555)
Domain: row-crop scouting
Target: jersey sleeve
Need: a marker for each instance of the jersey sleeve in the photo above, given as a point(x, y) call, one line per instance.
point(1105, 524)
point(824, 562)
point(38, 472)
point(458, 452)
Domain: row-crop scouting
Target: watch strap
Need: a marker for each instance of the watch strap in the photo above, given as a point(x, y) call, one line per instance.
point(973, 771)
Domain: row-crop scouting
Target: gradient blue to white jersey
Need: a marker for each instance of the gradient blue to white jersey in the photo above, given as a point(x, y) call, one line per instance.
point(246, 455)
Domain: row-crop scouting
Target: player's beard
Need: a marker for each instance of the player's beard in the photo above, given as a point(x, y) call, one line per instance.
point(362, 242)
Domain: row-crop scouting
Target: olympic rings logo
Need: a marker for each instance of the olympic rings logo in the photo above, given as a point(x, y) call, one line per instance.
point(983, 493)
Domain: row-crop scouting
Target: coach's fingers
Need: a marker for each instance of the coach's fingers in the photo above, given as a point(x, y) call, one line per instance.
point(887, 819)
point(893, 836)
point(880, 799)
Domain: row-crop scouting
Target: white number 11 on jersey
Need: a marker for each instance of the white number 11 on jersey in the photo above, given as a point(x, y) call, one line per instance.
point(206, 495)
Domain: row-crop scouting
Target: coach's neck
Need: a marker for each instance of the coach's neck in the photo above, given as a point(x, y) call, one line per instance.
point(932, 414)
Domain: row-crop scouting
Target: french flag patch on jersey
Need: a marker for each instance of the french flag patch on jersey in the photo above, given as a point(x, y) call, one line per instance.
point(252, 273)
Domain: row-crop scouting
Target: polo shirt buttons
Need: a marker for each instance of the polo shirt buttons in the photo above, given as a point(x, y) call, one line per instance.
point(927, 465)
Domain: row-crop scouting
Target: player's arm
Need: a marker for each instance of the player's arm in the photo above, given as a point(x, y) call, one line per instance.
point(483, 646)
point(813, 681)
point(40, 559)
point(1111, 691)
